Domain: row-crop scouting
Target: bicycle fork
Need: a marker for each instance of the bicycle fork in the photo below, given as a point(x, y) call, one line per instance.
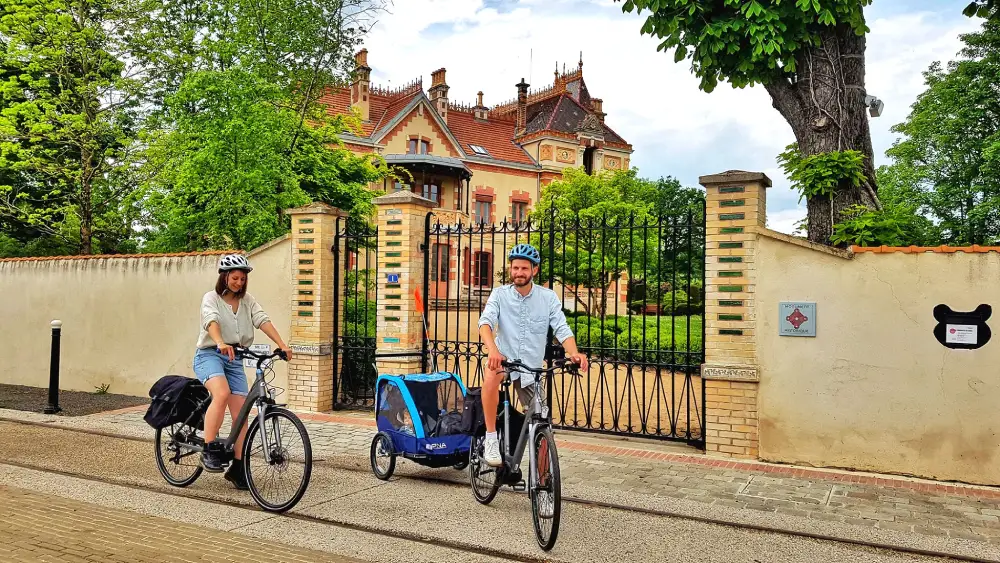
point(261, 416)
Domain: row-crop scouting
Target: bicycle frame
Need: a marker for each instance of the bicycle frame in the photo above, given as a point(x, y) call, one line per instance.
point(260, 397)
point(536, 416)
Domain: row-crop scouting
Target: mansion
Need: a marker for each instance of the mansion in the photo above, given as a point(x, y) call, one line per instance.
point(476, 162)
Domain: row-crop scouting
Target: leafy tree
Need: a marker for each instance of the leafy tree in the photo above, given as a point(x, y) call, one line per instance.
point(610, 224)
point(241, 134)
point(950, 150)
point(68, 108)
point(225, 174)
point(810, 57)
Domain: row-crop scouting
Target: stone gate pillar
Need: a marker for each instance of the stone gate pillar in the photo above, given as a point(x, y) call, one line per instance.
point(310, 373)
point(735, 208)
point(401, 222)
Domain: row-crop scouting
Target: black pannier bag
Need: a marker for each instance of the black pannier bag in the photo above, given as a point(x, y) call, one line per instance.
point(472, 411)
point(174, 399)
point(474, 419)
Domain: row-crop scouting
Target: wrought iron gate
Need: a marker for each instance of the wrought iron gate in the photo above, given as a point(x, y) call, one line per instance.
point(354, 302)
point(633, 292)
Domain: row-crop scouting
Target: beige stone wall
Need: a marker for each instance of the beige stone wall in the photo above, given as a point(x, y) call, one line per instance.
point(504, 184)
point(874, 390)
point(126, 321)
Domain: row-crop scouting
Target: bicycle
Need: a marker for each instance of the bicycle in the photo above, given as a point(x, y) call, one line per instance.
point(544, 486)
point(269, 451)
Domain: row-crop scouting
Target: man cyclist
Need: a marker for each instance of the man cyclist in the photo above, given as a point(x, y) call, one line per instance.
point(514, 325)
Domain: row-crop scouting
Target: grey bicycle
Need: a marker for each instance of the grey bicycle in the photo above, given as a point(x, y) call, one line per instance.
point(544, 486)
point(277, 454)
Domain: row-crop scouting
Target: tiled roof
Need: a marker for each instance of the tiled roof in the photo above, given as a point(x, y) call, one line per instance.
point(564, 114)
point(921, 249)
point(494, 135)
point(562, 111)
point(381, 109)
point(612, 137)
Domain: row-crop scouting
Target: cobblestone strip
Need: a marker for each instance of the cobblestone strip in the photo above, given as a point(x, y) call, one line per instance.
point(39, 528)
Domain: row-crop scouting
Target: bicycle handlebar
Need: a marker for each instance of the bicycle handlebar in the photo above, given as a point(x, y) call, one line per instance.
point(243, 353)
point(565, 363)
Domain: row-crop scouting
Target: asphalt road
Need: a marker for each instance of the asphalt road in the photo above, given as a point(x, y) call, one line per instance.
point(400, 520)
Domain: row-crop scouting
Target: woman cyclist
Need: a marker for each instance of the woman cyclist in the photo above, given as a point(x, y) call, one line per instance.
point(229, 316)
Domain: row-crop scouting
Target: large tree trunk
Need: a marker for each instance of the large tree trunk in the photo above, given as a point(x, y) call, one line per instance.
point(825, 108)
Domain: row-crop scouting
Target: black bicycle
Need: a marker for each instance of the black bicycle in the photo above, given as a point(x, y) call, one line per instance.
point(544, 485)
point(277, 454)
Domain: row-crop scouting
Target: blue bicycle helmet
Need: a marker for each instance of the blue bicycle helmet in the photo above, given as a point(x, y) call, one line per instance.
point(525, 251)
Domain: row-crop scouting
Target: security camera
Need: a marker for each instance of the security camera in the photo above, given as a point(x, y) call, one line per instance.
point(874, 105)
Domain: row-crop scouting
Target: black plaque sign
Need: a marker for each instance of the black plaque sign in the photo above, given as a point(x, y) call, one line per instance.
point(963, 331)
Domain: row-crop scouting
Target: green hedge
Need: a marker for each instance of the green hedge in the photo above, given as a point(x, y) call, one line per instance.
point(359, 317)
point(623, 338)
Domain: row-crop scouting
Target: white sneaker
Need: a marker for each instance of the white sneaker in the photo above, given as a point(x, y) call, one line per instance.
point(491, 452)
point(545, 506)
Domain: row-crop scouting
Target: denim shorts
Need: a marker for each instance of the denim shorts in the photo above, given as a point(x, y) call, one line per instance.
point(209, 363)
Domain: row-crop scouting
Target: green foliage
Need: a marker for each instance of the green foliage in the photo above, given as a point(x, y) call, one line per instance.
point(241, 134)
point(744, 42)
point(821, 175)
point(360, 312)
point(102, 389)
point(902, 221)
point(639, 338)
point(609, 224)
point(224, 174)
point(197, 122)
point(949, 154)
point(68, 116)
point(983, 9)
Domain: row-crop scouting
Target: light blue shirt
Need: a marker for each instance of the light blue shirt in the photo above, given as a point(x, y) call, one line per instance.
point(520, 324)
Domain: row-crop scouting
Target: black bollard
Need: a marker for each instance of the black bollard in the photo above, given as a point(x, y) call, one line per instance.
point(53, 407)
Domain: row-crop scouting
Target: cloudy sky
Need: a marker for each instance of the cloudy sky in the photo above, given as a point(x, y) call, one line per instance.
point(653, 103)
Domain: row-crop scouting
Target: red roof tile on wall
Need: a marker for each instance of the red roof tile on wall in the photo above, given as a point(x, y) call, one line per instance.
point(920, 249)
point(128, 256)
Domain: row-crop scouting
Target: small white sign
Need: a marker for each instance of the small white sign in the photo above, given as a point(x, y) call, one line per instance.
point(258, 349)
point(961, 334)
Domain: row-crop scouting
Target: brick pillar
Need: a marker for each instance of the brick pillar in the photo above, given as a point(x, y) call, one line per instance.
point(401, 222)
point(735, 204)
point(310, 373)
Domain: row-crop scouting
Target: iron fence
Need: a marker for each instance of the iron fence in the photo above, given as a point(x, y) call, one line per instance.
point(632, 288)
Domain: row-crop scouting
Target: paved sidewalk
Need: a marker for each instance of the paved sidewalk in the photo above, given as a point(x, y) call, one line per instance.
point(40, 527)
point(614, 469)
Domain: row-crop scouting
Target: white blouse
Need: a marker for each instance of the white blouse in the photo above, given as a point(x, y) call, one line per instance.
point(237, 328)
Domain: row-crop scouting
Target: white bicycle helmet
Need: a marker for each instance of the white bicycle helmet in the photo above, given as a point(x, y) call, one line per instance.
point(234, 262)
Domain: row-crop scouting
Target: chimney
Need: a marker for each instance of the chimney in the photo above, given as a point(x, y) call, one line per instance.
point(522, 106)
point(480, 112)
point(597, 105)
point(362, 80)
point(439, 93)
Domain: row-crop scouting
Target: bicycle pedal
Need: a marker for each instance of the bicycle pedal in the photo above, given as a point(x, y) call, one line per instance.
point(519, 487)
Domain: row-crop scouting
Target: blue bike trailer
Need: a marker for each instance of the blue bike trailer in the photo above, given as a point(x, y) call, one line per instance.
point(422, 413)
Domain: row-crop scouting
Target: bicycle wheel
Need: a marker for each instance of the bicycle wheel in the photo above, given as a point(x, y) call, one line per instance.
point(382, 459)
point(180, 465)
point(546, 490)
point(485, 480)
point(277, 478)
